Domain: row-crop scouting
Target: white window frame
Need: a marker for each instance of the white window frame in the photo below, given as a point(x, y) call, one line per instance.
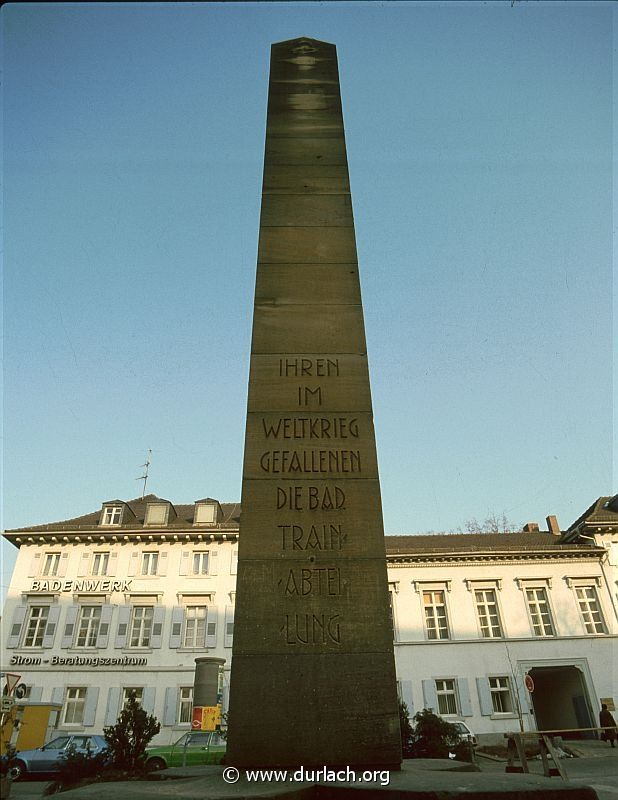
point(535, 585)
point(100, 563)
point(150, 563)
point(51, 564)
point(126, 691)
point(441, 622)
point(444, 693)
point(487, 631)
point(185, 703)
point(195, 626)
point(499, 691)
point(112, 515)
point(584, 604)
point(142, 620)
point(197, 562)
point(89, 621)
point(533, 604)
point(37, 623)
point(77, 703)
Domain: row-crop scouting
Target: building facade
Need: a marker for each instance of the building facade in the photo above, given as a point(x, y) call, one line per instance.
point(124, 599)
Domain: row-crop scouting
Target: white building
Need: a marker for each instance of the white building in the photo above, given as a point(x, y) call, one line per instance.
point(127, 597)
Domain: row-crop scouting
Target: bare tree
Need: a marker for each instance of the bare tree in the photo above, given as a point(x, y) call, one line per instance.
point(493, 523)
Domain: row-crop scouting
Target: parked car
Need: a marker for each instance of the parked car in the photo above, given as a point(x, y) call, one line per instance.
point(464, 731)
point(195, 747)
point(46, 759)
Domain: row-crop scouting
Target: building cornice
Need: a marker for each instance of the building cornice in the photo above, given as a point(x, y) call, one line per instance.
point(91, 536)
point(422, 560)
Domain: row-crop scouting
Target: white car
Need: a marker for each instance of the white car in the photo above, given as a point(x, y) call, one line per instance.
point(464, 731)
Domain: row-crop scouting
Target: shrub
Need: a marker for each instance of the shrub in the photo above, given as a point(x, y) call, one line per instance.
point(128, 738)
point(406, 730)
point(433, 737)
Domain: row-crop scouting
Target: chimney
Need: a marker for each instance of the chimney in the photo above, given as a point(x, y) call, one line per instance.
point(531, 527)
point(552, 525)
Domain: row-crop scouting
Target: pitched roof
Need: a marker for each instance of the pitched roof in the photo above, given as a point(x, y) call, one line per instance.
point(454, 543)
point(604, 510)
point(184, 517)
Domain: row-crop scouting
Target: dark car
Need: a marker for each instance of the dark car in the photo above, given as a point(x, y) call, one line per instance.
point(195, 747)
point(47, 758)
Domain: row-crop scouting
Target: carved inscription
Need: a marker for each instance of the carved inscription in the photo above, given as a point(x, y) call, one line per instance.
point(308, 397)
point(312, 628)
point(311, 428)
point(309, 367)
point(310, 461)
point(310, 498)
point(317, 581)
point(312, 537)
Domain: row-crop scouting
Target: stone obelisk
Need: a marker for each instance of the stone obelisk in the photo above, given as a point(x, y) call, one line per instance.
point(313, 675)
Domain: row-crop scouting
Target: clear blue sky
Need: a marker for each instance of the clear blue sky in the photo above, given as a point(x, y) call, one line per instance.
point(480, 154)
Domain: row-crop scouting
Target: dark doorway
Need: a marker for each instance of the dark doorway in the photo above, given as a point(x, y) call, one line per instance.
point(561, 701)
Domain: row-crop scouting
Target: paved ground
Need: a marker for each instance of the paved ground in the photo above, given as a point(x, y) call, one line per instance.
point(598, 767)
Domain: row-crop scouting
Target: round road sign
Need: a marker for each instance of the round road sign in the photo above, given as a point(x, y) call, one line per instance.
point(529, 683)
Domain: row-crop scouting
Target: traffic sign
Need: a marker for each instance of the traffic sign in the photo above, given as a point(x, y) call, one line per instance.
point(529, 682)
point(11, 681)
point(6, 704)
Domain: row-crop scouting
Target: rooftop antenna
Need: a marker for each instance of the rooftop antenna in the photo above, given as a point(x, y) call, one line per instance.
point(144, 477)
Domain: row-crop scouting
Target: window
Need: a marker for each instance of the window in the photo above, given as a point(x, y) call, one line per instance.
point(100, 563)
point(150, 562)
point(447, 696)
point(88, 628)
point(138, 691)
point(540, 615)
point(51, 562)
point(156, 514)
point(435, 614)
point(141, 626)
point(185, 705)
point(205, 514)
point(501, 699)
point(200, 563)
point(590, 609)
point(487, 610)
point(195, 626)
point(75, 703)
point(35, 629)
point(112, 515)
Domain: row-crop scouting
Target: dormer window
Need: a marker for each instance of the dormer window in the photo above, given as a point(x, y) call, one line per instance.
point(157, 514)
point(112, 515)
point(207, 512)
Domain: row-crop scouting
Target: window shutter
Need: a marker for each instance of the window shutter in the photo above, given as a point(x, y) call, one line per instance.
point(62, 567)
point(35, 565)
point(113, 705)
point(112, 565)
point(36, 693)
point(212, 562)
point(178, 616)
point(162, 564)
point(225, 700)
point(484, 692)
point(69, 627)
point(104, 626)
point(406, 696)
point(228, 633)
point(158, 618)
point(430, 698)
point(185, 560)
point(169, 709)
point(90, 709)
point(134, 563)
point(84, 565)
point(234, 563)
point(50, 628)
point(148, 699)
point(19, 615)
point(464, 697)
point(124, 616)
point(57, 695)
point(211, 626)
